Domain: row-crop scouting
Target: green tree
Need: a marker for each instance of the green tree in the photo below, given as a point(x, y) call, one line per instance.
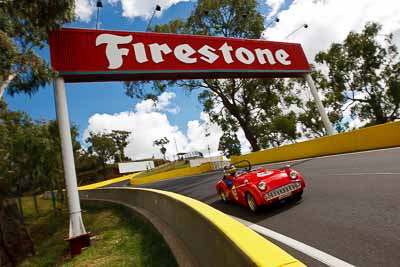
point(30, 163)
point(161, 143)
point(121, 141)
point(243, 103)
point(363, 75)
point(102, 145)
point(24, 26)
point(229, 144)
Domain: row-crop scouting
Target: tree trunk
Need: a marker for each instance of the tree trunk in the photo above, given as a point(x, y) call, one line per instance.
point(242, 122)
point(104, 171)
point(249, 135)
point(378, 112)
point(4, 85)
point(15, 240)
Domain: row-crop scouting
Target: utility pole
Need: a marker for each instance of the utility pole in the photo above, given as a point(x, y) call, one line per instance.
point(176, 147)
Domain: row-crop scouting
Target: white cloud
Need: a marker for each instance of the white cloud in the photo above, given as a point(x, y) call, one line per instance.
point(275, 5)
point(197, 139)
point(163, 103)
point(147, 123)
point(331, 20)
point(84, 9)
point(144, 9)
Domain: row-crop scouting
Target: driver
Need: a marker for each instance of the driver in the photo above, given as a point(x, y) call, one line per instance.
point(229, 175)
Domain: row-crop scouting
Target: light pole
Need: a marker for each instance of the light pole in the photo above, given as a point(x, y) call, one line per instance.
point(305, 26)
point(158, 8)
point(99, 5)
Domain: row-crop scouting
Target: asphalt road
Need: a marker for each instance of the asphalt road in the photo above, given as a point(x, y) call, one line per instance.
point(350, 208)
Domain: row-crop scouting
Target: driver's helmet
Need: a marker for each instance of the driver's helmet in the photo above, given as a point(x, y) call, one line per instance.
point(230, 170)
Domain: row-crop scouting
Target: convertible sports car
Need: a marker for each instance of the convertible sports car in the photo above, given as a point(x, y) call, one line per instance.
point(256, 187)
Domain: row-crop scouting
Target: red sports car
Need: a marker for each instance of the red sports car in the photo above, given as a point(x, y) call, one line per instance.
point(261, 186)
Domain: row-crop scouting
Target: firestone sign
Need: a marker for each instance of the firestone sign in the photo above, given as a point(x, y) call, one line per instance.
point(93, 55)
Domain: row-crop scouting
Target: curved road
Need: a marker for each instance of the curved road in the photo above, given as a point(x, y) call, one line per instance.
point(350, 208)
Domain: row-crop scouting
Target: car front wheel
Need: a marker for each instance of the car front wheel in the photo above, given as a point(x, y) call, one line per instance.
point(251, 202)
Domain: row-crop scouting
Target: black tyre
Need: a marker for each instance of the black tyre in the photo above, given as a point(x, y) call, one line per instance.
point(251, 203)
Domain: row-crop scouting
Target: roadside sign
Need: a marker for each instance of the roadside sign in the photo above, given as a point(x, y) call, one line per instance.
point(82, 55)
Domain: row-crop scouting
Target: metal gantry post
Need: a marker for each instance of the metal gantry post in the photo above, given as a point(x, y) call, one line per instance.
point(76, 227)
point(320, 106)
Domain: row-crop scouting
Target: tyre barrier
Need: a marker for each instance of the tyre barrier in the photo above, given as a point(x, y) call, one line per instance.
point(197, 234)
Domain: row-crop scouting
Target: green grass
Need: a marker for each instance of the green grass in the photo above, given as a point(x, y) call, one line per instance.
point(168, 167)
point(121, 239)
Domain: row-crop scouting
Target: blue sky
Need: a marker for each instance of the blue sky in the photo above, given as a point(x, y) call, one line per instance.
point(107, 106)
point(86, 99)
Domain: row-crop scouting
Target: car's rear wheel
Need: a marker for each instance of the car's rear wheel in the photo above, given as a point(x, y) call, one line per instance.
point(251, 202)
point(222, 195)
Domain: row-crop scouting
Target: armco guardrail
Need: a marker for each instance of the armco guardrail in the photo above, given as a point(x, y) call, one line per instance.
point(205, 167)
point(375, 137)
point(211, 237)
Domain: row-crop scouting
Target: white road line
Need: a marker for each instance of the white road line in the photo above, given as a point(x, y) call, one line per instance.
point(367, 173)
point(297, 245)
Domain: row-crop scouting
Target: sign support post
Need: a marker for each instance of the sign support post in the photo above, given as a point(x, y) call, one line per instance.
point(320, 106)
point(77, 234)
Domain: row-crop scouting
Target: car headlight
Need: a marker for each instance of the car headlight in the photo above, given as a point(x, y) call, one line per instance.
point(262, 186)
point(293, 175)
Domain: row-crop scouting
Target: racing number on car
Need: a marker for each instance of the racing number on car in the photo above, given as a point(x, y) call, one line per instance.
point(234, 192)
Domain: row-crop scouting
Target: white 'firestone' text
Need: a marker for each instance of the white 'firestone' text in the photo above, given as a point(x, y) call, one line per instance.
point(185, 53)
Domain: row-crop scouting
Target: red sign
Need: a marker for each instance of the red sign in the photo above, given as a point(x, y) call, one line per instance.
point(81, 55)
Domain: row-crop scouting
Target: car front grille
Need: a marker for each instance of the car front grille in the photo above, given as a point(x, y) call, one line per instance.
point(282, 190)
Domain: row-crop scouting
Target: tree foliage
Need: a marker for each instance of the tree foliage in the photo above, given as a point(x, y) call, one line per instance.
point(161, 143)
point(31, 153)
point(229, 144)
point(24, 27)
point(103, 146)
point(121, 142)
point(363, 75)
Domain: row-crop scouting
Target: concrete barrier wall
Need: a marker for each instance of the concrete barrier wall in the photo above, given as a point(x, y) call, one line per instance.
point(205, 167)
point(375, 137)
point(199, 161)
point(210, 236)
point(108, 182)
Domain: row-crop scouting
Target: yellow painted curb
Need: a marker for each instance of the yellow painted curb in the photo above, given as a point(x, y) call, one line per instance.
point(205, 167)
point(375, 137)
point(107, 182)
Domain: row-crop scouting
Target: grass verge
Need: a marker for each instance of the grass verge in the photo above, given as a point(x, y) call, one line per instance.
point(121, 239)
